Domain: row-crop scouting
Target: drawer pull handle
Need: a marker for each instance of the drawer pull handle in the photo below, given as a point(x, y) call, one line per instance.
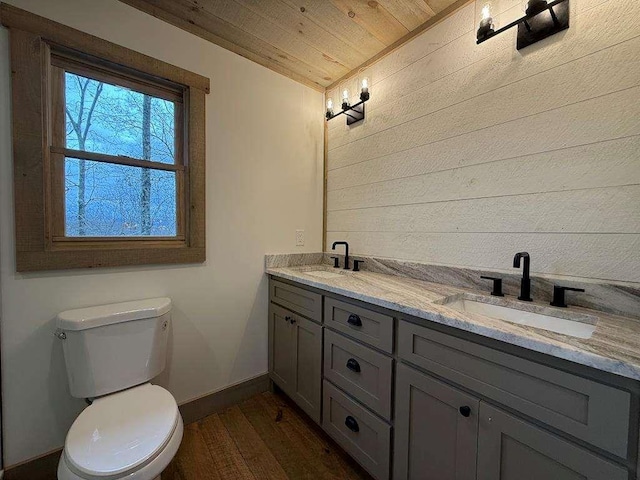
point(354, 320)
point(465, 411)
point(353, 365)
point(351, 424)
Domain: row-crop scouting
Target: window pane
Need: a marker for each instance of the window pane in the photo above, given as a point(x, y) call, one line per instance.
point(114, 120)
point(107, 200)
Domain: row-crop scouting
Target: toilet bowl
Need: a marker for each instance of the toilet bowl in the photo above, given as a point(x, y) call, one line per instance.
point(130, 435)
point(132, 429)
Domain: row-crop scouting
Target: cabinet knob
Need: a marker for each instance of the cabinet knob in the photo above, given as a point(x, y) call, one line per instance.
point(354, 320)
point(353, 365)
point(465, 411)
point(352, 424)
point(289, 319)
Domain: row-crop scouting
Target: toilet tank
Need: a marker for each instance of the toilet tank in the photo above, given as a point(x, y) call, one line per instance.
point(112, 347)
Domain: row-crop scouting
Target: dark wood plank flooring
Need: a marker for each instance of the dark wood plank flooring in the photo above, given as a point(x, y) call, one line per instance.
point(264, 437)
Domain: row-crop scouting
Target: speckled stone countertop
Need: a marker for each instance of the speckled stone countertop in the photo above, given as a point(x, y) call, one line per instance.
point(614, 346)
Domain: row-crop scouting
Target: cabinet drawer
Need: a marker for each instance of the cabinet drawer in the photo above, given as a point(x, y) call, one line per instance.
point(359, 371)
point(370, 327)
point(588, 410)
point(363, 435)
point(297, 299)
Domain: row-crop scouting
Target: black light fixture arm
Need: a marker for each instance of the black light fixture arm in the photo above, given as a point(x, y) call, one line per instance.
point(346, 111)
point(531, 23)
point(354, 113)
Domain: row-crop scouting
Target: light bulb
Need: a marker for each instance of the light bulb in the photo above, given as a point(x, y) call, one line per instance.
point(486, 27)
point(486, 11)
point(364, 93)
point(345, 98)
point(329, 108)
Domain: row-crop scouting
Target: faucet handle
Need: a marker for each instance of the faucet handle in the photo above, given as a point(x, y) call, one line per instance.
point(558, 295)
point(356, 265)
point(336, 262)
point(497, 286)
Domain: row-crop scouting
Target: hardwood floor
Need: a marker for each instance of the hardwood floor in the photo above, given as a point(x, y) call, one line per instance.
point(264, 437)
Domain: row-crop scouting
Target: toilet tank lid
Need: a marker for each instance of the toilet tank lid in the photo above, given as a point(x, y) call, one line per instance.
point(91, 317)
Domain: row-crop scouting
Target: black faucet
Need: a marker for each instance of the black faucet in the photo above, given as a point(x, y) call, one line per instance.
point(346, 253)
point(525, 284)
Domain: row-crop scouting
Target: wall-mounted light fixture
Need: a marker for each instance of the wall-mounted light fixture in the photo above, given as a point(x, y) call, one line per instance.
point(541, 20)
point(354, 113)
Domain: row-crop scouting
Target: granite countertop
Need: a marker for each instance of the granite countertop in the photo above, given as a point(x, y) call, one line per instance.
point(614, 346)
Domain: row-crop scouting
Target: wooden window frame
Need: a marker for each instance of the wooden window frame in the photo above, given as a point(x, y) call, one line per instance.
point(40, 48)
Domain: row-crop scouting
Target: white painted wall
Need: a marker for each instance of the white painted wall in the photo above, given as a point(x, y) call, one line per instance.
point(470, 153)
point(264, 181)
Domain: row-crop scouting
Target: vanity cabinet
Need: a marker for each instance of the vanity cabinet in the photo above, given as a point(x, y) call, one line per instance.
point(588, 410)
point(295, 359)
point(412, 400)
point(443, 433)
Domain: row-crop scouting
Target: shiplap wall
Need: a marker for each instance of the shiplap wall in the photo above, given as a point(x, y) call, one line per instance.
point(470, 153)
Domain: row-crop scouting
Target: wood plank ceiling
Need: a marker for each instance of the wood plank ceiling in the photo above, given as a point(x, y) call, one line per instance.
point(315, 42)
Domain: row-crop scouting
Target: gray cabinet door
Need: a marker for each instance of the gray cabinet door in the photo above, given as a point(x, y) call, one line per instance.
point(281, 347)
point(436, 429)
point(308, 366)
point(512, 449)
point(295, 358)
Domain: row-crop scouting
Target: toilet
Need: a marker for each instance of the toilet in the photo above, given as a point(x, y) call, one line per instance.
point(132, 429)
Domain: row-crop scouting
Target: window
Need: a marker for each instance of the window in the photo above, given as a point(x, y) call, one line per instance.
point(108, 151)
point(117, 148)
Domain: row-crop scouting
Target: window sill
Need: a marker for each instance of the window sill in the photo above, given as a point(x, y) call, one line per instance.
point(108, 257)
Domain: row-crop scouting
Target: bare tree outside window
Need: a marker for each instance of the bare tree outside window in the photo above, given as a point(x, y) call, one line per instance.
point(79, 118)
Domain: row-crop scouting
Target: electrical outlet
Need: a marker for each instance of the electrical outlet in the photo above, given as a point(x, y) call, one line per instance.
point(299, 238)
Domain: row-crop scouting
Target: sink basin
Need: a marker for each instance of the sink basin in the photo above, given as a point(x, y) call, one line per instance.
point(579, 326)
point(323, 274)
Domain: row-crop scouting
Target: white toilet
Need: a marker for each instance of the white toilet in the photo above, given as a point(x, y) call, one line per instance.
point(132, 429)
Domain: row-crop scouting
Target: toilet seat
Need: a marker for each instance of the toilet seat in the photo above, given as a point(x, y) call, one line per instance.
point(122, 433)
